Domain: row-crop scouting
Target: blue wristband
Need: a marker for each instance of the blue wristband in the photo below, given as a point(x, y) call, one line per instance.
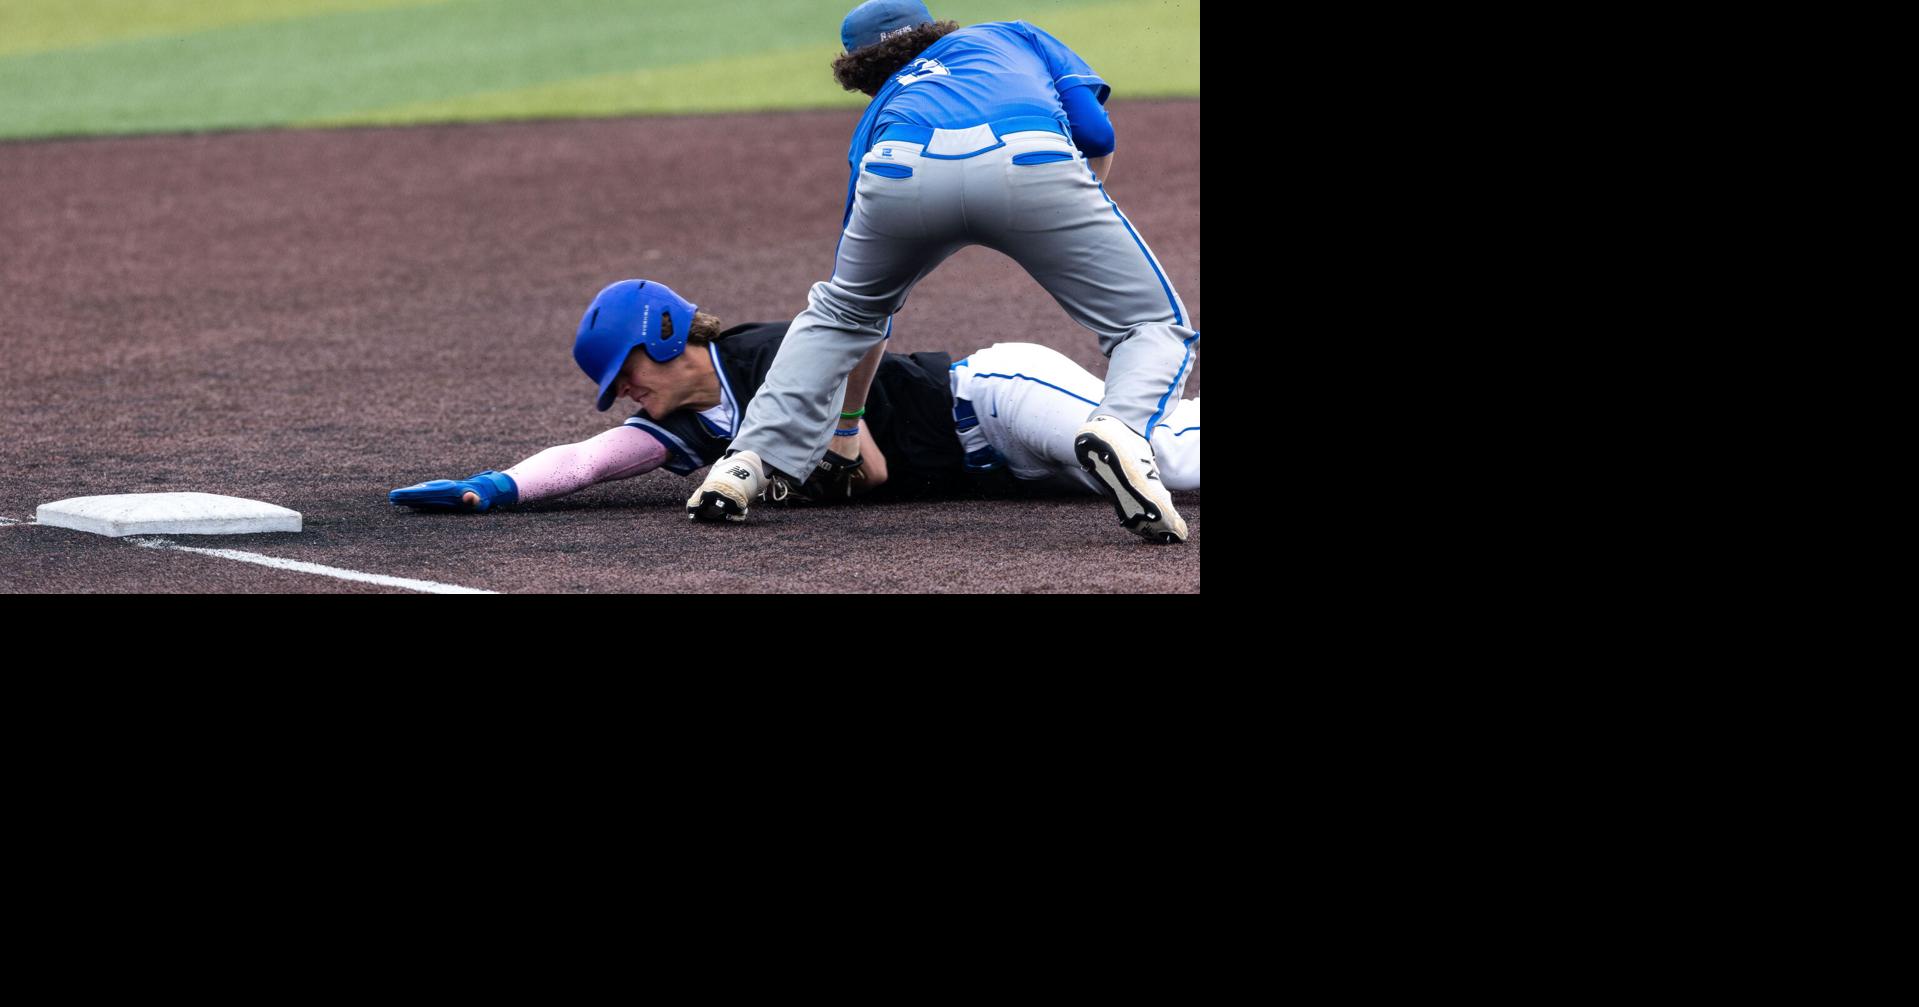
point(491, 488)
point(494, 489)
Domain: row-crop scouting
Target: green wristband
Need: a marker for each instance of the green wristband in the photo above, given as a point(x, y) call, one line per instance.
point(854, 415)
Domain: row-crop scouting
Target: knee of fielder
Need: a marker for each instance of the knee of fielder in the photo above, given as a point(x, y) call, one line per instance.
point(842, 309)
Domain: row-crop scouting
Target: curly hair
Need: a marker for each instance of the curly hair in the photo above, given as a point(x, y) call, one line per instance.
point(705, 328)
point(866, 69)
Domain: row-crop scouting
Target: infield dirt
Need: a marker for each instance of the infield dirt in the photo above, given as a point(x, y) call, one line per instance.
point(312, 318)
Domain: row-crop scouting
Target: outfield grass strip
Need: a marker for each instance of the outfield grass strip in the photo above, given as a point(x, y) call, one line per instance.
point(401, 61)
point(28, 26)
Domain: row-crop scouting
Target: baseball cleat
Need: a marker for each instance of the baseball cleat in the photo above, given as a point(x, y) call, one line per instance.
point(1121, 462)
point(734, 483)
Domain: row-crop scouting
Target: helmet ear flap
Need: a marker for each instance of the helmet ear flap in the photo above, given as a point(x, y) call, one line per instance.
point(675, 324)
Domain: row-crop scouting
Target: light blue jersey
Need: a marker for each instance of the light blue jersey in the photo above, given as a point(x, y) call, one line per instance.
point(979, 74)
point(984, 73)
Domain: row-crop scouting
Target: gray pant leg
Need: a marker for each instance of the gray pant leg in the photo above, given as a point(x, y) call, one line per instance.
point(1057, 222)
point(1053, 219)
point(894, 238)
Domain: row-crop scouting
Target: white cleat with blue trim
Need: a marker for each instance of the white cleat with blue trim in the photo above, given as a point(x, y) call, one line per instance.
point(1121, 461)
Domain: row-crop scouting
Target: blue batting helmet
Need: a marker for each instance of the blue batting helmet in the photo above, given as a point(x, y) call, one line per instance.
point(626, 315)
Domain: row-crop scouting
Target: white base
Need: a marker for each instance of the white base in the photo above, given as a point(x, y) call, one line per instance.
point(124, 514)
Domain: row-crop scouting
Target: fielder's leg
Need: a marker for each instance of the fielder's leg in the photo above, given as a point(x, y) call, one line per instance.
point(1055, 219)
point(893, 239)
point(1060, 225)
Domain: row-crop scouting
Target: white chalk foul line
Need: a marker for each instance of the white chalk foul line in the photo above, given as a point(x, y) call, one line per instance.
point(424, 586)
point(8, 521)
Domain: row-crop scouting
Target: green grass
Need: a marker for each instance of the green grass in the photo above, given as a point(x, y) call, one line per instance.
point(100, 66)
point(43, 25)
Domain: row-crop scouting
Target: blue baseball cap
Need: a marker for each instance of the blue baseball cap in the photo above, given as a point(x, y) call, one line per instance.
point(872, 20)
point(624, 316)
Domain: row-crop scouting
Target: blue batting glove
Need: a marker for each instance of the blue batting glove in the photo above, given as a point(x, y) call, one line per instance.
point(449, 494)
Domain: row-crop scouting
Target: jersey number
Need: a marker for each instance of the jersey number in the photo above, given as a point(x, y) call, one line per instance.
point(920, 69)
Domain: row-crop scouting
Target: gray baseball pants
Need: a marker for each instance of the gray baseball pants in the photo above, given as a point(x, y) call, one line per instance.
point(1029, 195)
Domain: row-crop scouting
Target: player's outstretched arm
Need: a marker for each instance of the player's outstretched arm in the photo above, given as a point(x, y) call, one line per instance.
point(620, 453)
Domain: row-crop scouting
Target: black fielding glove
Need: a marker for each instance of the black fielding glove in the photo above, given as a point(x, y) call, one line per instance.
point(835, 480)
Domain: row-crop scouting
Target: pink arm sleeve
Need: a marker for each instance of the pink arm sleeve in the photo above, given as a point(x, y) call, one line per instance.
point(620, 453)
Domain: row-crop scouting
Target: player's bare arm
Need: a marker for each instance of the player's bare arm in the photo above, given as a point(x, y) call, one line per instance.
point(858, 385)
point(872, 462)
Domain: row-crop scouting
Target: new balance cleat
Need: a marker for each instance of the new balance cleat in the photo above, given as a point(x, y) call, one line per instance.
point(730, 487)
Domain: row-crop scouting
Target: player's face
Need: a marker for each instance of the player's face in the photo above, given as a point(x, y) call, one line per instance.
point(655, 387)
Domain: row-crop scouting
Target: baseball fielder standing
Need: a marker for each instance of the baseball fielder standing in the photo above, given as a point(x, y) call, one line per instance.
point(988, 135)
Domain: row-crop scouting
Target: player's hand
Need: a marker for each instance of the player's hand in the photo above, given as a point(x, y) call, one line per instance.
point(477, 493)
point(835, 480)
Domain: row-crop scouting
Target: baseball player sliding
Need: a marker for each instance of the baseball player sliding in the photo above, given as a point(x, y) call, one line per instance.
point(1004, 415)
point(988, 135)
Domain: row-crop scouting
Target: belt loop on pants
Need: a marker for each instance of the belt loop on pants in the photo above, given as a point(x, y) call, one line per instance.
point(924, 135)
